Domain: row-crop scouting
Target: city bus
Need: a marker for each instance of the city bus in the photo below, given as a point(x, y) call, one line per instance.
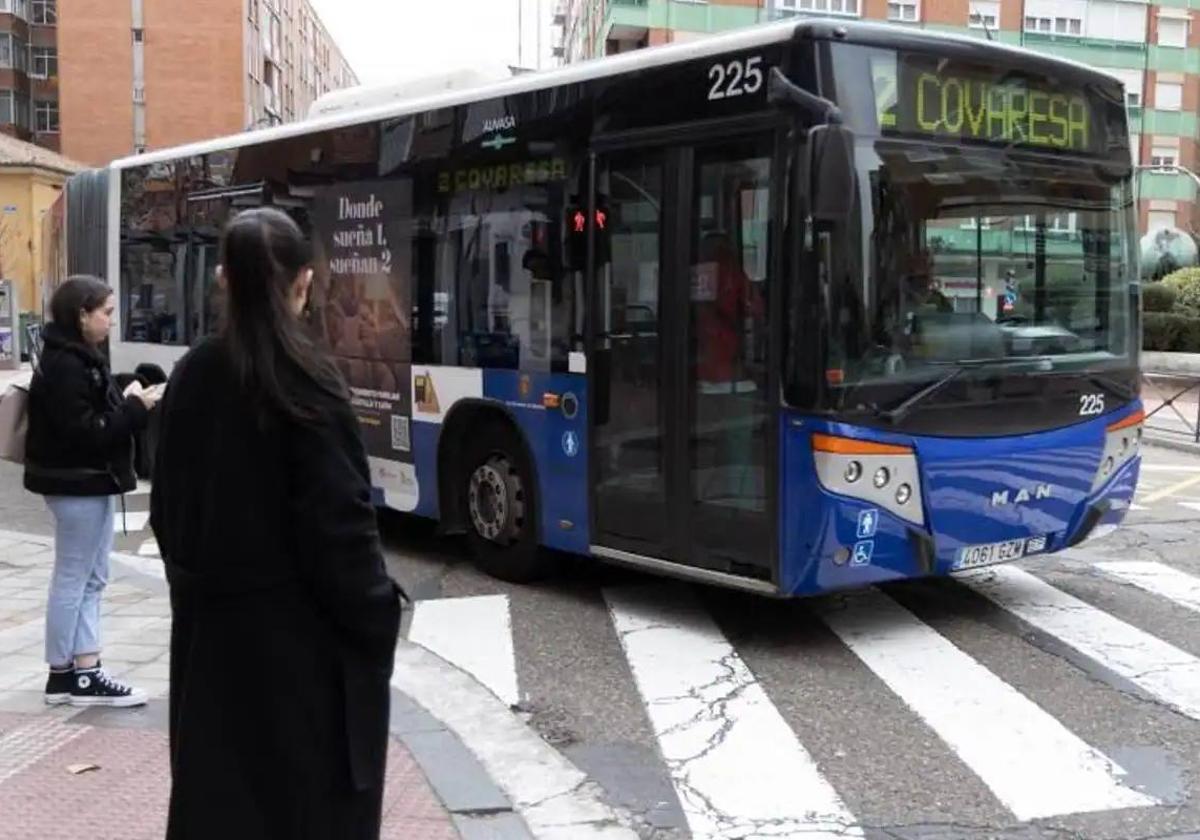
point(808, 306)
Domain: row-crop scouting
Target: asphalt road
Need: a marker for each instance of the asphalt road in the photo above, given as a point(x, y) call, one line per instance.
point(1056, 698)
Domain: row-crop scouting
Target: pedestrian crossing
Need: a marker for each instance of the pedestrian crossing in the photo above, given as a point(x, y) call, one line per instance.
point(1167, 487)
point(740, 768)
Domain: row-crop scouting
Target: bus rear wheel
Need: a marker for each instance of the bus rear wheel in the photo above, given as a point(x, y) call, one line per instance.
point(500, 506)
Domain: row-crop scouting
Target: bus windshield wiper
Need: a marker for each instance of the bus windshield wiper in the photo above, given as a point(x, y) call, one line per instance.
point(899, 412)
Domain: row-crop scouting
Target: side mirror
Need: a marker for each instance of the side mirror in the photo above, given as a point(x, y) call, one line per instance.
point(831, 172)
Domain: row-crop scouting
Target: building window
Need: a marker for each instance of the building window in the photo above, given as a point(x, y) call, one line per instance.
point(904, 11)
point(45, 63)
point(272, 87)
point(1164, 157)
point(14, 53)
point(14, 109)
point(1108, 20)
point(1172, 32)
point(20, 8)
point(1168, 96)
point(1159, 219)
point(1132, 79)
point(1054, 26)
point(45, 117)
point(830, 7)
point(45, 12)
point(984, 15)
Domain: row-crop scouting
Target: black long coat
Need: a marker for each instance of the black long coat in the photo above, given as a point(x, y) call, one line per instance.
point(284, 618)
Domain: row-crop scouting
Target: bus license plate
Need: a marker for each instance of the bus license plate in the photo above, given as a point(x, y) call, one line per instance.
point(975, 556)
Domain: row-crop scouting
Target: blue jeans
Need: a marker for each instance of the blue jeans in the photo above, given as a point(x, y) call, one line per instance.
point(83, 539)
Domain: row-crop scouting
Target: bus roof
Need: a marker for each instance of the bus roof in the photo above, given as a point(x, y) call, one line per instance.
point(747, 38)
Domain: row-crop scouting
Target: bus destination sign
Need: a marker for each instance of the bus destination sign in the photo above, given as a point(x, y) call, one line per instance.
point(939, 99)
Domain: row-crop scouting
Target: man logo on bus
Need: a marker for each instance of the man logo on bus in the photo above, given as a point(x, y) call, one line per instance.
point(1042, 491)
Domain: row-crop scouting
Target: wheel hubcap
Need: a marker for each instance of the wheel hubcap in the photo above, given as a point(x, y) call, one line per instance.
point(495, 501)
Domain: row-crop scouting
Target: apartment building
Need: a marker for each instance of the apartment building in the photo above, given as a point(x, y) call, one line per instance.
point(101, 79)
point(1153, 47)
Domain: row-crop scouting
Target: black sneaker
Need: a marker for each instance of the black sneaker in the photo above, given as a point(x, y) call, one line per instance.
point(58, 687)
point(94, 687)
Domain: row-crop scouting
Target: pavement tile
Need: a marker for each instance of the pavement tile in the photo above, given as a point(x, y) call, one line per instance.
point(126, 797)
point(129, 791)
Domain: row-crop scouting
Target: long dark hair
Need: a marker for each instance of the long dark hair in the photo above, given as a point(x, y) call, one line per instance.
point(79, 293)
point(262, 253)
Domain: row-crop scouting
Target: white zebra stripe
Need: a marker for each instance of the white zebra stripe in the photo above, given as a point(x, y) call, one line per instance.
point(1033, 764)
point(1157, 579)
point(738, 768)
point(1161, 669)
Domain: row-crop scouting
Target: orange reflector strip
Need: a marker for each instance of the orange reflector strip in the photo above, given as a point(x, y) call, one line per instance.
point(551, 400)
point(852, 446)
point(1132, 420)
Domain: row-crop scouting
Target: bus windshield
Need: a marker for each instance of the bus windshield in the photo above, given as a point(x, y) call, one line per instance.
point(996, 225)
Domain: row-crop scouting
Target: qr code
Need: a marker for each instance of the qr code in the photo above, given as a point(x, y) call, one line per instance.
point(400, 439)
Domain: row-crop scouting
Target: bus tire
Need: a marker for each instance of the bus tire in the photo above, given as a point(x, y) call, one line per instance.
point(499, 504)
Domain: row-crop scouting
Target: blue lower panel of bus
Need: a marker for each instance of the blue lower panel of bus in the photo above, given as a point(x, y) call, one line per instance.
point(556, 435)
point(984, 501)
point(559, 444)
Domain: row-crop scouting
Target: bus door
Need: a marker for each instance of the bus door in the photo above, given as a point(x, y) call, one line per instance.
point(683, 443)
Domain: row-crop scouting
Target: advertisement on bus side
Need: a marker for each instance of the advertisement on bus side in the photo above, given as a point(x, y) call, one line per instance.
point(362, 305)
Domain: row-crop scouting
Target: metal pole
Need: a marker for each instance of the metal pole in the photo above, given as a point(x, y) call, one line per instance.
point(1176, 168)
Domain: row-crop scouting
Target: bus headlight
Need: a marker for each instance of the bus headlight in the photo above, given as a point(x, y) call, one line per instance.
point(1122, 443)
point(895, 484)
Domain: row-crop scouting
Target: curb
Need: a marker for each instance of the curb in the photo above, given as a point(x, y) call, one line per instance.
point(479, 809)
point(556, 799)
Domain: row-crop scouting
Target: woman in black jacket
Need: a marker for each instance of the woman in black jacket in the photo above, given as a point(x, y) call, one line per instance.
point(79, 453)
point(284, 618)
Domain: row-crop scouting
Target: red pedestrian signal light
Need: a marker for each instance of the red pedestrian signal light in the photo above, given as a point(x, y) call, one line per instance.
point(578, 232)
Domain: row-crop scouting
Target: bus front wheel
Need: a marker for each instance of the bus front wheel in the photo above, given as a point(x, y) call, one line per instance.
point(499, 501)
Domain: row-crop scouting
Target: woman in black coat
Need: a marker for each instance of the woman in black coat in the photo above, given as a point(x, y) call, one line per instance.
point(284, 618)
point(79, 456)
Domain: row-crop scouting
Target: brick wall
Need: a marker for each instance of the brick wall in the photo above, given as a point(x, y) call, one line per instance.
point(194, 74)
point(95, 62)
point(195, 70)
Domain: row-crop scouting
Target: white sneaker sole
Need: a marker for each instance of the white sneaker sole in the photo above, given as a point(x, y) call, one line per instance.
point(57, 699)
point(138, 698)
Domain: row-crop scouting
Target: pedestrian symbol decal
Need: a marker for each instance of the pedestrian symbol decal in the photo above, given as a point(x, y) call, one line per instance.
point(570, 444)
point(862, 553)
point(868, 521)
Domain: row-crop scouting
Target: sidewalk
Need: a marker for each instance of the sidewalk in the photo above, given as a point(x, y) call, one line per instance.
point(43, 797)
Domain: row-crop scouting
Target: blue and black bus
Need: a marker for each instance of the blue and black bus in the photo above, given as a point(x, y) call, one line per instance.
point(808, 306)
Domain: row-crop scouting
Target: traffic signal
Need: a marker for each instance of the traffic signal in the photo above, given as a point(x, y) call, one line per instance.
point(579, 225)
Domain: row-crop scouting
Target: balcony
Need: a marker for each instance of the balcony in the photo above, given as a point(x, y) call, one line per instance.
point(626, 26)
